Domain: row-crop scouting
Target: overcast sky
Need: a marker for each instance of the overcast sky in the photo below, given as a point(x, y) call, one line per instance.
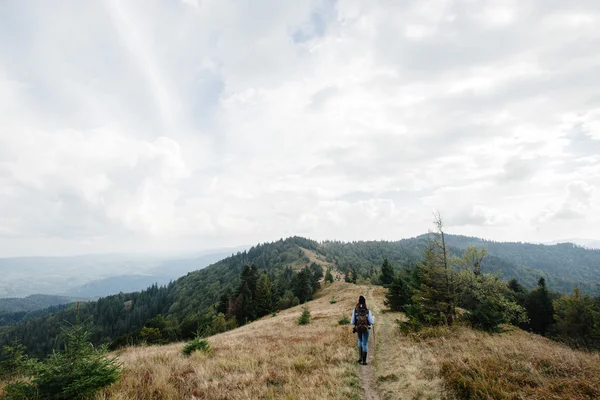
point(130, 126)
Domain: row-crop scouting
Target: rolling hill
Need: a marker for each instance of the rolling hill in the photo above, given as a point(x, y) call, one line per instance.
point(189, 300)
point(275, 358)
point(34, 302)
point(75, 275)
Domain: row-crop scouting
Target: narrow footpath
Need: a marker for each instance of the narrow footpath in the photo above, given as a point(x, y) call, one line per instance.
point(367, 372)
point(399, 368)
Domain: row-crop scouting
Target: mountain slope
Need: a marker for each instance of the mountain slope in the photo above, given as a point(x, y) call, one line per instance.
point(23, 276)
point(186, 302)
point(564, 265)
point(462, 363)
point(275, 358)
point(270, 358)
point(116, 284)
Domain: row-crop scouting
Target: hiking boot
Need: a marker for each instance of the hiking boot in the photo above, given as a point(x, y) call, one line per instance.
point(360, 356)
point(364, 358)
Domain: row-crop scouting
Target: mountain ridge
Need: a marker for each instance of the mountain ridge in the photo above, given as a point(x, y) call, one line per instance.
point(188, 301)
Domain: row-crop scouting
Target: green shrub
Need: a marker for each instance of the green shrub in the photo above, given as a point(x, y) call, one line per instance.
point(151, 336)
point(78, 372)
point(304, 317)
point(15, 361)
point(328, 276)
point(486, 301)
point(344, 320)
point(21, 391)
point(196, 345)
point(332, 300)
point(486, 316)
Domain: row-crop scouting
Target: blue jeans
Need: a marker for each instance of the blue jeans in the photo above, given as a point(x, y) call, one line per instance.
point(363, 341)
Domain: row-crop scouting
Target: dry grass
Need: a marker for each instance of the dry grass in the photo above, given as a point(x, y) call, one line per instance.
point(316, 258)
point(514, 365)
point(404, 368)
point(462, 363)
point(273, 358)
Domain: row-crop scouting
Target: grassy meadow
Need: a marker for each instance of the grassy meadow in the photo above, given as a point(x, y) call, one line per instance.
point(275, 358)
point(272, 358)
point(462, 363)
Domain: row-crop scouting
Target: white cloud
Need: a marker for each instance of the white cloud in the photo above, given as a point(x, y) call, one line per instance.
point(207, 123)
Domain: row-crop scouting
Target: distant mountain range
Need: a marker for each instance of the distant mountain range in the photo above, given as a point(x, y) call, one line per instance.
point(587, 243)
point(34, 302)
point(188, 300)
point(95, 275)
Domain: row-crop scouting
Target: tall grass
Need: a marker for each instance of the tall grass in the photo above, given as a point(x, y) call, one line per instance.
point(268, 359)
point(461, 363)
point(515, 365)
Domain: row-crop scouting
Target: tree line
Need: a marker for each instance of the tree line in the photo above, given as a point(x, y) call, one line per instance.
point(445, 289)
point(228, 294)
point(212, 300)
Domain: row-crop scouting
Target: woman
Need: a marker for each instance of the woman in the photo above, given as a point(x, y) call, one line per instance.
point(362, 319)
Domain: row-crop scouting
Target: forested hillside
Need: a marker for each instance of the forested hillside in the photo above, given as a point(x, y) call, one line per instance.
point(184, 306)
point(33, 302)
point(116, 284)
point(13, 310)
point(195, 302)
point(564, 266)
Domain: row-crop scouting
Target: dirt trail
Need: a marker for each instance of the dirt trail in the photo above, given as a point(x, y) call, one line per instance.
point(367, 372)
point(402, 368)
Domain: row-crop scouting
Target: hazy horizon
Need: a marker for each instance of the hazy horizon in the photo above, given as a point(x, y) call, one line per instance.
point(169, 127)
point(191, 253)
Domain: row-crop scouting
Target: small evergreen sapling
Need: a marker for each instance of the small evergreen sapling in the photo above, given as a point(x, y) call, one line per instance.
point(196, 345)
point(304, 317)
point(76, 373)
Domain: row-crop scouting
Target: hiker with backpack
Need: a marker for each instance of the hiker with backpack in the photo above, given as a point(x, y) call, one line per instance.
point(362, 319)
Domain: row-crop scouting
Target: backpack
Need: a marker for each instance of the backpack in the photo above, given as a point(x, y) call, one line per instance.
point(361, 315)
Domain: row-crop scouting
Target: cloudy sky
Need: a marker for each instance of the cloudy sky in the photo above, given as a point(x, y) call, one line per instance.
point(150, 125)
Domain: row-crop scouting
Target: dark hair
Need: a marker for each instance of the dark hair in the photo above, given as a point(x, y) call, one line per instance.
point(362, 301)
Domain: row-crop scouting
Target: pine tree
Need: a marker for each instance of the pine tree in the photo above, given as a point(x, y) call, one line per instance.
point(316, 275)
point(304, 317)
point(248, 276)
point(577, 320)
point(263, 295)
point(435, 296)
point(301, 285)
point(224, 302)
point(76, 373)
point(243, 306)
point(387, 273)
point(540, 309)
point(399, 294)
point(354, 275)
